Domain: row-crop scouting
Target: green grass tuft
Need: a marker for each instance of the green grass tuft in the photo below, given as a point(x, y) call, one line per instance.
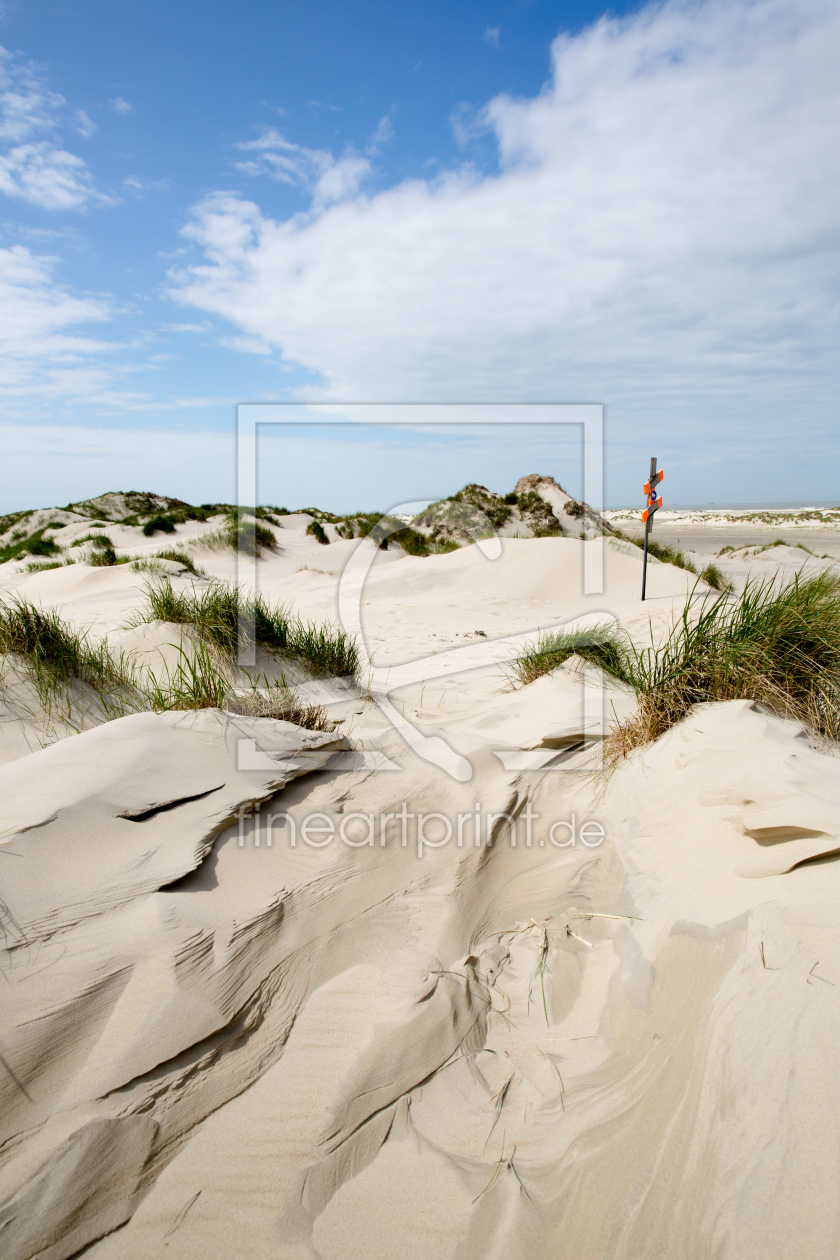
point(713, 577)
point(219, 614)
point(180, 557)
point(602, 645)
point(35, 545)
point(158, 525)
point(54, 656)
point(98, 540)
point(201, 681)
point(661, 551)
point(53, 653)
point(248, 535)
point(241, 532)
point(216, 613)
point(412, 542)
point(780, 647)
point(327, 651)
point(271, 514)
point(316, 530)
point(670, 555)
point(197, 682)
point(103, 557)
point(143, 564)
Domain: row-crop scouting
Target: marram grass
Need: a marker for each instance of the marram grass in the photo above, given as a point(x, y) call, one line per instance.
point(54, 654)
point(180, 557)
point(220, 614)
point(779, 646)
point(54, 657)
point(602, 645)
point(242, 533)
point(660, 551)
point(216, 612)
point(201, 681)
point(713, 577)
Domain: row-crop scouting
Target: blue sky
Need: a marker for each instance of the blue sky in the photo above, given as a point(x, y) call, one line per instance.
point(207, 203)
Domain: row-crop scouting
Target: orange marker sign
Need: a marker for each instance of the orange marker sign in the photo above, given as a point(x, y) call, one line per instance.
point(653, 503)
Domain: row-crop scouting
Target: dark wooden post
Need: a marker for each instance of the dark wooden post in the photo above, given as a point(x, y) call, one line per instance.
point(649, 519)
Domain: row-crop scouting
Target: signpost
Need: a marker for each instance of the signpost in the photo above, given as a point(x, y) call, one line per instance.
point(647, 516)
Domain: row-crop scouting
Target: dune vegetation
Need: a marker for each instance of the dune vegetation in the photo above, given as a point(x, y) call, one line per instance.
point(777, 646)
point(316, 530)
point(55, 657)
point(179, 557)
point(660, 551)
point(220, 614)
point(497, 897)
point(713, 577)
point(200, 680)
point(471, 513)
point(159, 525)
point(34, 544)
point(241, 532)
point(602, 646)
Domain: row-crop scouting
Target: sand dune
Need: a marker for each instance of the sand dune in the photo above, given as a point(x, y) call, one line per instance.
point(598, 1019)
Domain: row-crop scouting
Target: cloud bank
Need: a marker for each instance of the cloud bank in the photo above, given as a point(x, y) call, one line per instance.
point(42, 355)
point(661, 234)
point(33, 167)
point(329, 179)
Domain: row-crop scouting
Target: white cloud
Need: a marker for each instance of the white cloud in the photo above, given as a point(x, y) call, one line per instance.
point(466, 124)
point(47, 176)
point(42, 355)
point(26, 106)
point(38, 170)
point(40, 234)
point(119, 106)
point(328, 178)
point(341, 180)
point(84, 124)
point(383, 134)
point(55, 365)
point(661, 235)
point(491, 36)
point(140, 186)
point(245, 345)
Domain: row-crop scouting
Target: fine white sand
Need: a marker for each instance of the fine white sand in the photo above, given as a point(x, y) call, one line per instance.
point(219, 1040)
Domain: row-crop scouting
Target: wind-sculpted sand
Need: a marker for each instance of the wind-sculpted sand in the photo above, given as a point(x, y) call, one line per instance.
point(258, 1003)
